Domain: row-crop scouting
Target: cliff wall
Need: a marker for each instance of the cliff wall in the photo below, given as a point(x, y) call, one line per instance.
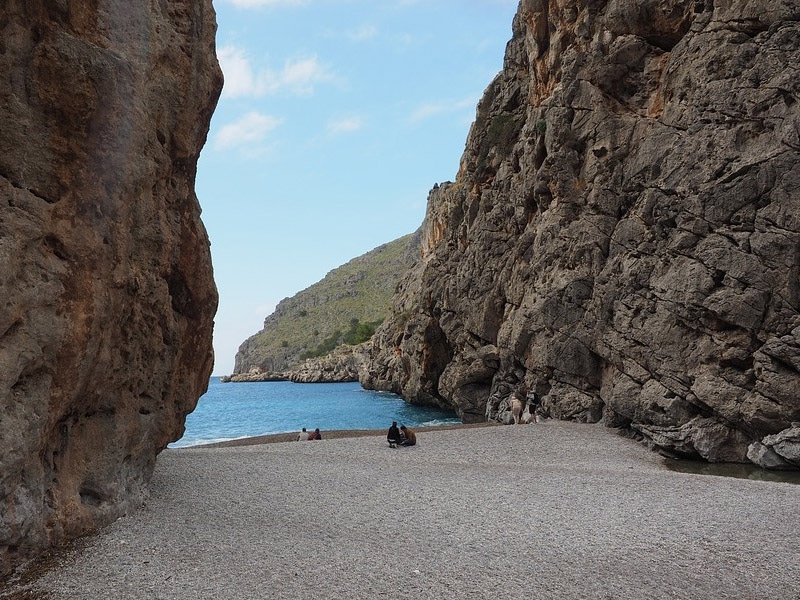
point(108, 296)
point(623, 237)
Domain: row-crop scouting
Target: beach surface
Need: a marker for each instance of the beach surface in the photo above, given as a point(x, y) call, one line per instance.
point(549, 510)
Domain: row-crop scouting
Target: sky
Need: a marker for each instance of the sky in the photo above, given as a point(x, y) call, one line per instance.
point(336, 119)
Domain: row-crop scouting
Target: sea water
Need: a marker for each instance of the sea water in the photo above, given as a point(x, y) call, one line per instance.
point(236, 410)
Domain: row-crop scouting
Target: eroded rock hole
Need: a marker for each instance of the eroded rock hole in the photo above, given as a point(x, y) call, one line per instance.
point(90, 496)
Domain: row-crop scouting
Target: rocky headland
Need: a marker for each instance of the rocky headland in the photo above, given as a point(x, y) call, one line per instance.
point(343, 364)
point(108, 292)
point(622, 237)
point(341, 310)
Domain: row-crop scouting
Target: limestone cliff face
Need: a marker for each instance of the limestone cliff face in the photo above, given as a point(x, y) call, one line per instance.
point(623, 235)
point(107, 289)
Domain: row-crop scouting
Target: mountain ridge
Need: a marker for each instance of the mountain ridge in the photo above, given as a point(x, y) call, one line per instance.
point(345, 306)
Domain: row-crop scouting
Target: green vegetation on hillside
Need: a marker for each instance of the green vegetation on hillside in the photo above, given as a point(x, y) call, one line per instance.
point(346, 307)
point(358, 333)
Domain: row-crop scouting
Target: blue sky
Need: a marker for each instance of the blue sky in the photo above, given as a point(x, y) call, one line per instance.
point(336, 119)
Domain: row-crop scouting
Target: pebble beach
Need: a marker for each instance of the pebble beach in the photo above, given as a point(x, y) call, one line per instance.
point(553, 510)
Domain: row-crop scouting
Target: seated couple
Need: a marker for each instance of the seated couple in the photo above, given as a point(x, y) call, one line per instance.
point(304, 435)
point(400, 437)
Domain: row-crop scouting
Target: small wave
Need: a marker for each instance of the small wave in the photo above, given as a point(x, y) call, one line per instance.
point(188, 443)
point(440, 422)
point(202, 441)
point(379, 393)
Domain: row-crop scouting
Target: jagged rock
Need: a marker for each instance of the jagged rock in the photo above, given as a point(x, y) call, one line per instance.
point(341, 365)
point(622, 233)
point(254, 376)
point(704, 437)
point(108, 295)
point(778, 451)
point(766, 458)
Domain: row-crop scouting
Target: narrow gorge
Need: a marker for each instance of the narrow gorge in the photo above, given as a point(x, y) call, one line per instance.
point(622, 240)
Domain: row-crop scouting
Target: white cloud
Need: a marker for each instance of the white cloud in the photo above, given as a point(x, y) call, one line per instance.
point(239, 77)
point(431, 109)
point(363, 33)
point(426, 111)
point(250, 130)
point(347, 125)
point(297, 76)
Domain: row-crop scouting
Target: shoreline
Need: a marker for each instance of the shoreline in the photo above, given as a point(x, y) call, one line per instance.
point(332, 434)
point(678, 465)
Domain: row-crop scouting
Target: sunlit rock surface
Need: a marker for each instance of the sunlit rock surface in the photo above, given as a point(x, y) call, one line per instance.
point(108, 296)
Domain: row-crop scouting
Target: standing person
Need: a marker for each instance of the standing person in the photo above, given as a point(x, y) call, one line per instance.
point(409, 437)
point(315, 435)
point(393, 436)
point(533, 406)
point(517, 408)
point(303, 436)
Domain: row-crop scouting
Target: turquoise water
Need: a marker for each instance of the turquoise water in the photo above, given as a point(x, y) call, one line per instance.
point(236, 410)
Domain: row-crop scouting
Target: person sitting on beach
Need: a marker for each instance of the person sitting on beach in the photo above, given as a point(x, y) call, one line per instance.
point(303, 436)
point(315, 435)
point(393, 436)
point(409, 437)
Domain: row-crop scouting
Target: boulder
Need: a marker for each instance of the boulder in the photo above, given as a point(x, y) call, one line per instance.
point(766, 458)
point(108, 292)
point(778, 451)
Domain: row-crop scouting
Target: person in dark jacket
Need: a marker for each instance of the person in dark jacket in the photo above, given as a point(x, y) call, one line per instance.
point(393, 436)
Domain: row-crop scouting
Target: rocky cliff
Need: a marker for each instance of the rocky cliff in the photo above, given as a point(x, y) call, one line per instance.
point(108, 297)
point(623, 237)
point(340, 366)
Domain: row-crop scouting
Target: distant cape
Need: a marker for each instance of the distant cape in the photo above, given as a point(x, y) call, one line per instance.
point(311, 336)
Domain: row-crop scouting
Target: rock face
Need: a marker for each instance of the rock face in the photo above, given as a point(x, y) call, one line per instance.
point(108, 295)
point(341, 365)
point(623, 236)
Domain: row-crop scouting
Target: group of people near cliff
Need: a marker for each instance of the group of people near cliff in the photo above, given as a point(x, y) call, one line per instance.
point(397, 436)
point(402, 436)
point(523, 407)
point(305, 436)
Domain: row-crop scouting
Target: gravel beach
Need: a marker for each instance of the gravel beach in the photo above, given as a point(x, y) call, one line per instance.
point(551, 510)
